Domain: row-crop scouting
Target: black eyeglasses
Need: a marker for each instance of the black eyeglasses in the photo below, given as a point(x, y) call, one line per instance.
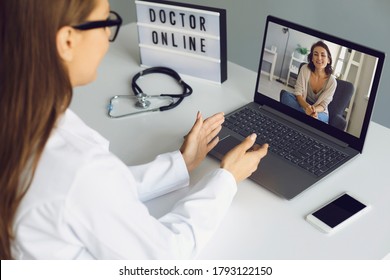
point(114, 22)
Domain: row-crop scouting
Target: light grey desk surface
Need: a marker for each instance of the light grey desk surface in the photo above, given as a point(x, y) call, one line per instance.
point(258, 225)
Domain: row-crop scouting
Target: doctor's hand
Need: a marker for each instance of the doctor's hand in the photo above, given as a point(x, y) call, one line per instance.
point(244, 159)
point(201, 139)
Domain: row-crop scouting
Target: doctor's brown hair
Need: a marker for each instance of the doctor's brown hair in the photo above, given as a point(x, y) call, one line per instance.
point(35, 90)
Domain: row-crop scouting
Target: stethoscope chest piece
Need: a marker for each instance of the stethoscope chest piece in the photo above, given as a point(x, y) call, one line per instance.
point(142, 102)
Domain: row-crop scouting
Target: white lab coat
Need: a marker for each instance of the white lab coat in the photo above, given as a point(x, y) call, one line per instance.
point(84, 203)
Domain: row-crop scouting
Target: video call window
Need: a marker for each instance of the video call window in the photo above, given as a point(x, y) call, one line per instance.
point(282, 62)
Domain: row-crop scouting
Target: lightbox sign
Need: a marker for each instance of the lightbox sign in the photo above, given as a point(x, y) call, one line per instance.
point(188, 38)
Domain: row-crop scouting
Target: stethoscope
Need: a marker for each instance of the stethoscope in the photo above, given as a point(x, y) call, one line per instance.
point(143, 100)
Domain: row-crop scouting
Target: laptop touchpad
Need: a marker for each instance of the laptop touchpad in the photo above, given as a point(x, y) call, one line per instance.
point(226, 145)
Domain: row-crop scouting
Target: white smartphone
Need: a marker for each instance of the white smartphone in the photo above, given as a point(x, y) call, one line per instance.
point(337, 213)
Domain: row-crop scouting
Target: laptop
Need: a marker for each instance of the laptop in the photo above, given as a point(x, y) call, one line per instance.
point(303, 149)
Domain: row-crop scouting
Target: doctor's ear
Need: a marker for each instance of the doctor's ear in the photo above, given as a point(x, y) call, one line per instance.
point(66, 40)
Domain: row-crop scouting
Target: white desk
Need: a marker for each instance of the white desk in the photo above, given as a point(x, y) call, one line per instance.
point(259, 225)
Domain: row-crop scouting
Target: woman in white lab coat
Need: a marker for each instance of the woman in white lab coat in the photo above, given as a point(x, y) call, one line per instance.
point(63, 195)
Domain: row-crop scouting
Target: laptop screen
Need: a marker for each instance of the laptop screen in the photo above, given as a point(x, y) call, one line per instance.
point(337, 77)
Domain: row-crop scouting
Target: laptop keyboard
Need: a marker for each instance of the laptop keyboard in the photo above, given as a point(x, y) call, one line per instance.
point(296, 147)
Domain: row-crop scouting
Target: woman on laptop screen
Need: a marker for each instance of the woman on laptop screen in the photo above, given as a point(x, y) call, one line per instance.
point(315, 85)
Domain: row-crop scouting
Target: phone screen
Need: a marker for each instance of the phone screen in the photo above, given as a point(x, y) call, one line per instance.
point(339, 210)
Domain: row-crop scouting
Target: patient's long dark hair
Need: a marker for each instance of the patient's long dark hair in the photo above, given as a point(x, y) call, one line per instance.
point(328, 68)
point(35, 90)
